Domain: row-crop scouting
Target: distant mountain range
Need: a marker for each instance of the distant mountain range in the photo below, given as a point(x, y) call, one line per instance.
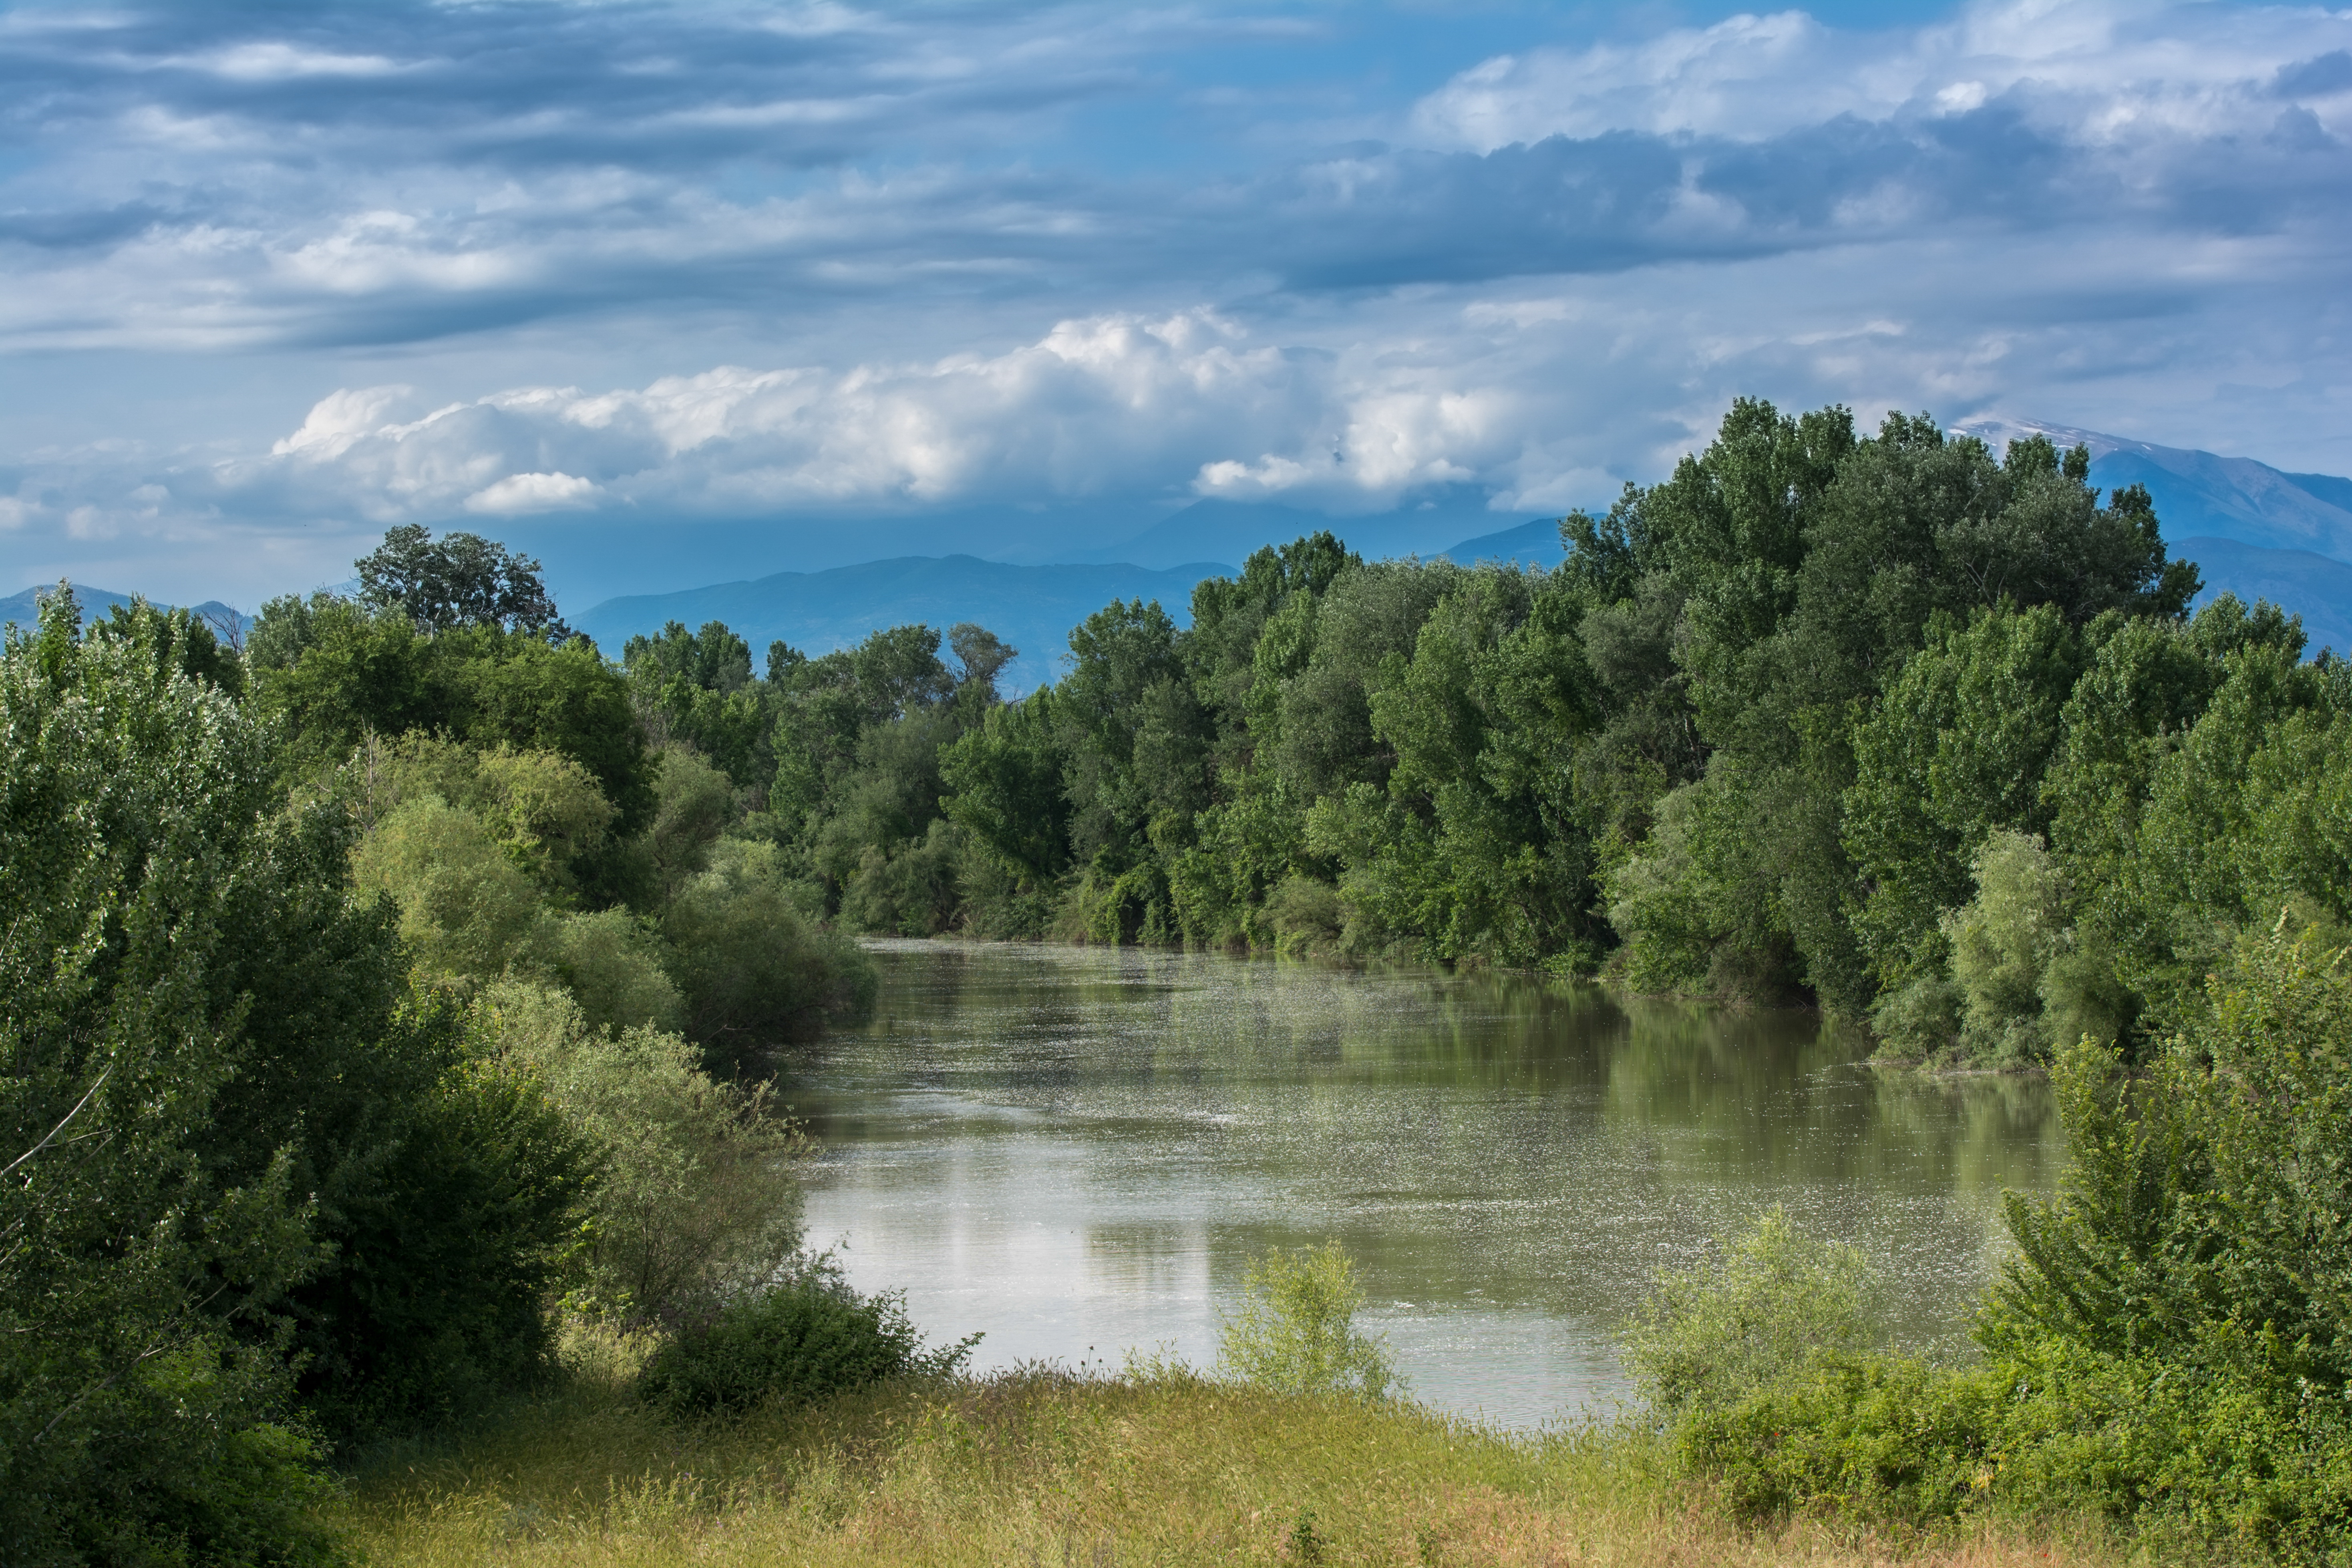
point(1032, 607)
point(2313, 586)
point(2253, 530)
point(25, 610)
point(1228, 531)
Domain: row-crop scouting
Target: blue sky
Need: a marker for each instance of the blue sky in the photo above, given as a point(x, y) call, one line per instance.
point(654, 288)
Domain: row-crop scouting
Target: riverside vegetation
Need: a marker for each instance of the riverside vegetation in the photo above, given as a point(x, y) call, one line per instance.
point(389, 1007)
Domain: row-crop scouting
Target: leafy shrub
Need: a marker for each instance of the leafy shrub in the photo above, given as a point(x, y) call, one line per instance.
point(1307, 915)
point(450, 1242)
point(2023, 980)
point(1921, 1021)
point(910, 888)
point(610, 961)
point(803, 1338)
point(467, 910)
point(693, 803)
point(695, 1199)
point(2169, 1348)
point(1699, 904)
point(1774, 1302)
point(2210, 1461)
point(754, 970)
point(542, 808)
point(1295, 1329)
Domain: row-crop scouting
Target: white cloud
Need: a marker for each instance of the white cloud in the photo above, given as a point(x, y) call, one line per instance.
point(342, 418)
point(1100, 404)
point(2105, 72)
point(274, 61)
point(519, 494)
point(1097, 405)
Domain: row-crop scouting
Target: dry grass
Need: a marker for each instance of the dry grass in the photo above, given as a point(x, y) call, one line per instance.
point(1046, 1468)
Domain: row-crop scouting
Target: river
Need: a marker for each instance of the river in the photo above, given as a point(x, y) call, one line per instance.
point(1077, 1151)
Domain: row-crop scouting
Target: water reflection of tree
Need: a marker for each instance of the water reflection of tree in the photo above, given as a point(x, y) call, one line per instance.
point(1475, 1138)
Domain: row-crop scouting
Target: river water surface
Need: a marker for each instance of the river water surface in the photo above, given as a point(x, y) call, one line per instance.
point(1078, 1151)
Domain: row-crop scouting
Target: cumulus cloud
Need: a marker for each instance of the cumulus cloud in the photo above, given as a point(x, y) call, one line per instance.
point(1097, 405)
point(519, 495)
point(570, 262)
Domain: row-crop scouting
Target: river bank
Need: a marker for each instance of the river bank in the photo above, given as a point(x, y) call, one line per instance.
point(1048, 1467)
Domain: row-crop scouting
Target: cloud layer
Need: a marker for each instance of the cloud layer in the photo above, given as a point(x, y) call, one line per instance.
point(557, 260)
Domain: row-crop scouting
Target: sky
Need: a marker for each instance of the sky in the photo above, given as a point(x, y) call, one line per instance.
point(675, 293)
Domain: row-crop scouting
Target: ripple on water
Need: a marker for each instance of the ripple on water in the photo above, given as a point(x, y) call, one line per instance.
point(1079, 1149)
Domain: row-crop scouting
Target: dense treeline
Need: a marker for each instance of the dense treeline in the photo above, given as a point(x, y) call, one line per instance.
point(1885, 721)
point(371, 1002)
point(381, 995)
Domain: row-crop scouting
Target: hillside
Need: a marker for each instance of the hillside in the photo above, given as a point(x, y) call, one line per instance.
point(1032, 607)
point(23, 608)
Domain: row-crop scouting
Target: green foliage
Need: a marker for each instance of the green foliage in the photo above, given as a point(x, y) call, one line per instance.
point(2019, 977)
point(695, 687)
point(695, 1199)
point(1774, 1304)
point(2167, 1349)
point(450, 1247)
point(1955, 751)
point(802, 1339)
point(467, 910)
point(178, 637)
point(612, 964)
point(246, 1161)
point(754, 971)
point(693, 805)
point(334, 673)
point(1005, 779)
point(1295, 1331)
point(147, 1244)
point(460, 580)
point(1308, 917)
point(1699, 903)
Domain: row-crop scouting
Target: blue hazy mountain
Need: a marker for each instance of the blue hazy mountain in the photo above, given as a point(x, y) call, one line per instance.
point(1032, 607)
point(1533, 543)
point(24, 609)
point(2313, 586)
point(1229, 530)
point(2200, 495)
point(2253, 530)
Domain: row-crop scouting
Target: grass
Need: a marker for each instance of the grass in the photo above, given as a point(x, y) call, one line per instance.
point(1047, 1468)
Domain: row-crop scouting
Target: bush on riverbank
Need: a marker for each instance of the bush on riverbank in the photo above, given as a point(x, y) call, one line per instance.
point(2171, 1350)
point(794, 1341)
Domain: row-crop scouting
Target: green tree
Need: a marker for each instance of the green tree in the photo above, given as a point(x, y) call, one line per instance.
point(753, 972)
point(1957, 748)
point(697, 688)
point(335, 673)
point(458, 580)
point(1003, 784)
point(141, 1398)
